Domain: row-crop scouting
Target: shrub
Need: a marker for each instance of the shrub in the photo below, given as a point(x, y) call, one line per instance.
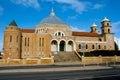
point(101, 52)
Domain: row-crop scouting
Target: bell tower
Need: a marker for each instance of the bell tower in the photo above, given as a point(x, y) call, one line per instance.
point(106, 27)
point(12, 41)
point(107, 34)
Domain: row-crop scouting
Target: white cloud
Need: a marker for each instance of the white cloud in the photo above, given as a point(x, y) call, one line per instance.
point(77, 5)
point(97, 6)
point(116, 29)
point(77, 29)
point(72, 17)
point(1, 10)
point(1, 46)
point(28, 3)
point(64, 8)
point(1, 40)
point(115, 26)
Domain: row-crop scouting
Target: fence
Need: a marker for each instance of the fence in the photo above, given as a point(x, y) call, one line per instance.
point(100, 59)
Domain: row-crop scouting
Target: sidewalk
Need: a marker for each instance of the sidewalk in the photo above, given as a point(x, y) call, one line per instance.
point(55, 69)
point(59, 63)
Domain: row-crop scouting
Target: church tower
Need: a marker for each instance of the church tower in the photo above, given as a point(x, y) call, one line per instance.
point(94, 28)
point(107, 34)
point(106, 27)
point(12, 40)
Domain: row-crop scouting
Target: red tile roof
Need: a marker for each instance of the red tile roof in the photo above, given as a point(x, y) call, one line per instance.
point(27, 30)
point(90, 34)
point(74, 33)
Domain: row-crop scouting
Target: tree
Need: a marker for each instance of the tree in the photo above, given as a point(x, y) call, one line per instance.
point(116, 46)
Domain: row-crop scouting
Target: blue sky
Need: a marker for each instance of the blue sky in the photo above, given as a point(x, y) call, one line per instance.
point(79, 14)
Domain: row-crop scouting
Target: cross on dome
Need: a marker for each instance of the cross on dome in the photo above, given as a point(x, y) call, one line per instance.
point(52, 19)
point(52, 12)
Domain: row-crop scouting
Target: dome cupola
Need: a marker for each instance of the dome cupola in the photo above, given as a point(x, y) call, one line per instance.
point(52, 19)
point(94, 28)
point(105, 19)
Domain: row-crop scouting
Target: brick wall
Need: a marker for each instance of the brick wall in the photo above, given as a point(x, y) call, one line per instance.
point(100, 59)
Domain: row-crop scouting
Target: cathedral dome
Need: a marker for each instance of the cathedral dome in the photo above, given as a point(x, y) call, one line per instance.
point(52, 19)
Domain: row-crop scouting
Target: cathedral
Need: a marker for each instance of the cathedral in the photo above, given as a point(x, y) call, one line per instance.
point(53, 37)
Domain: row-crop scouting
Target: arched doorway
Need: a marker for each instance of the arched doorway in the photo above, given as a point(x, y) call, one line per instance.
point(62, 46)
point(70, 46)
point(54, 46)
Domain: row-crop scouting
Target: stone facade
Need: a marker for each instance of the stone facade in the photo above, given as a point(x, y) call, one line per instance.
point(52, 36)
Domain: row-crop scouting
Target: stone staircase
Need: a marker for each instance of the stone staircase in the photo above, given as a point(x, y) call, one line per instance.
point(66, 57)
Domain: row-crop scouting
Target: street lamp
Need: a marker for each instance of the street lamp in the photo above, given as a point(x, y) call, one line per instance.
point(83, 47)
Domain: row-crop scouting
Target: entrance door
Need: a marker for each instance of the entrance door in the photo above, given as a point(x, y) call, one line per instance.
point(62, 46)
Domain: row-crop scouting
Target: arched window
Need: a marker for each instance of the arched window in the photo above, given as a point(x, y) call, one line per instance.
point(54, 42)
point(108, 30)
point(99, 47)
point(40, 42)
point(70, 46)
point(104, 47)
point(25, 41)
point(70, 42)
point(54, 45)
point(86, 46)
point(79, 46)
point(10, 38)
point(37, 31)
point(17, 39)
point(102, 31)
point(107, 24)
point(62, 34)
point(56, 34)
point(59, 34)
point(93, 46)
point(28, 41)
point(100, 39)
point(102, 24)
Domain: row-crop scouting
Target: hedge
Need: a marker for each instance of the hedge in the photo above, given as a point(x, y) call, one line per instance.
point(101, 52)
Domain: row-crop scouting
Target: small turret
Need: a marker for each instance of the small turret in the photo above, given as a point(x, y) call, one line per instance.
point(94, 28)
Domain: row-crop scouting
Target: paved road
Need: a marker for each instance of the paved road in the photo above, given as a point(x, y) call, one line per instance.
point(60, 72)
point(104, 74)
point(58, 65)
